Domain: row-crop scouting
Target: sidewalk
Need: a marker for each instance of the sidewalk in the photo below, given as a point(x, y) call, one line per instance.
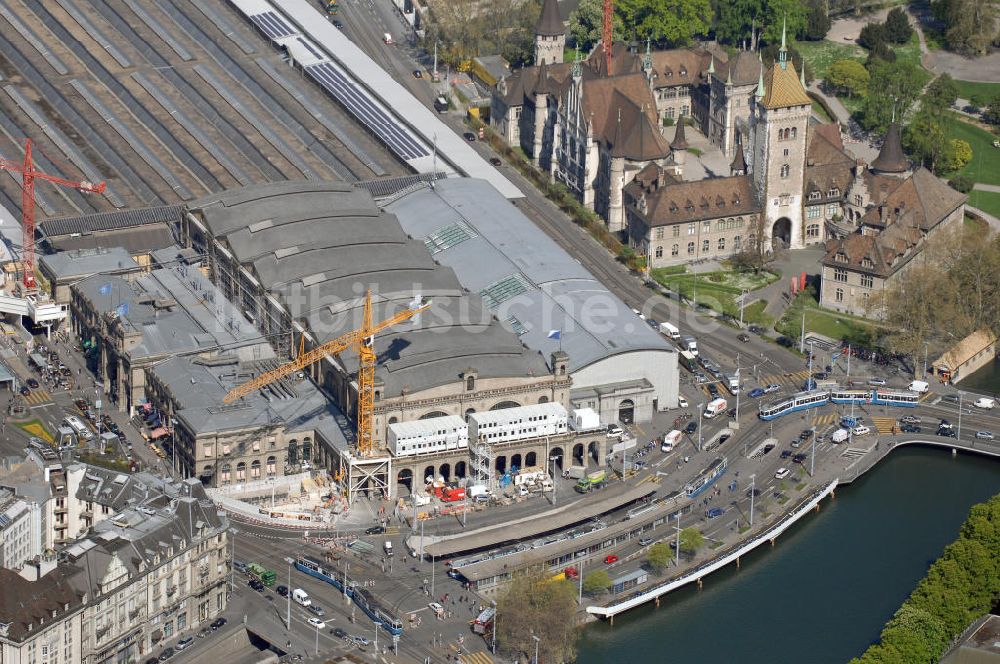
point(791, 263)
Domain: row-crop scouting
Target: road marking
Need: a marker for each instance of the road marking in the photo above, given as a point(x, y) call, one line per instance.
point(476, 658)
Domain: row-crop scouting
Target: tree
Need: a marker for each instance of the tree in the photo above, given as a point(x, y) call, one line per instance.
point(674, 21)
point(597, 581)
point(892, 89)
point(817, 22)
point(755, 254)
point(659, 556)
point(788, 13)
point(925, 139)
point(959, 154)
point(941, 93)
point(897, 26)
point(585, 24)
point(992, 112)
point(872, 34)
point(962, 183)
point(971, 24)
point(735, 20)
point(536, 605)
point(848, 75)
point(691, 540)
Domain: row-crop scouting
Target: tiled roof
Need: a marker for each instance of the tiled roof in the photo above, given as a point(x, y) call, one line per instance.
point(782, 87)
point(623, 61)
point(966, 349)
point(549, 23)
point(675, 201)
point(891, 158)
point(602, 97)
point(828, 165)
point(926, 199)
point(744, 69)
point(24, 602)
point(681, 66)
point(880, 254)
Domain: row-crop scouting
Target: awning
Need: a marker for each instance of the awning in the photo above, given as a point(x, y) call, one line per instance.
point(159, 432)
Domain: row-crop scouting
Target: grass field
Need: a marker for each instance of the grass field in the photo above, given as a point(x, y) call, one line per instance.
point(985, 164)
point(819, 111)
point(828, 323)
point(987, 201)
point(717, 290)
point(819, 55)
point(966, 89)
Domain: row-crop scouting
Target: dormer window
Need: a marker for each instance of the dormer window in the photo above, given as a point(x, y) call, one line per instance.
point(684, 72)
point(833, 193)
point(704, 202)
point(720, 202)
point(867, 263)
point(815, 195)
point(736, 199)
point(840, 257)
point(689, 206)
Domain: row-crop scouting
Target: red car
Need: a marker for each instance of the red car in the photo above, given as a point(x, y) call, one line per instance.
point(608, 560)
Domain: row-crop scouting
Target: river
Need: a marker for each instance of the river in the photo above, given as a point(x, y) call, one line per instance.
point(823, 593)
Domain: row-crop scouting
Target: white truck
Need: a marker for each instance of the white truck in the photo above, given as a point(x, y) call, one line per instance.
point(671, 440)
point(575, 472)
point(840, 435)
point(690, 344)
point(301, 597)
point(670, 330)
point(985, 403)
point(919, 386)
point(732, 383)
point(715, 406)
point(479, 493)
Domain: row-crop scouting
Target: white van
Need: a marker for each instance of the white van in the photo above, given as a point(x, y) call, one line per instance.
point(670, 330)
point(670, 440)
point(919, 386)
point(840, 435)
point(690, 344)
point(714, 407)
point(984, 402)
point(387, 547)
point(387, 37)
point(301, 597)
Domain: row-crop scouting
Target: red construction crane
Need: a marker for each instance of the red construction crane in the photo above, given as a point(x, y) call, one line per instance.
point(607, 34)
point(28, 176)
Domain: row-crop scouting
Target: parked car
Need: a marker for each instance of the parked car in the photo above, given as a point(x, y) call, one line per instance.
point(756, 329)
point(166, 654)
point(184, 643)
point(496, 161)
point(615, 431)
point(785, 454)
point(781, 474)
point(204, 632)
point(861, 430)
point(218, 623)
point(316, 610)
point(32, 383)
point(609, 560)
point(417, 73)
point(339, 633)
point(469, 136)
point(256, 585)
point(755, 492)
point(877, 382)
point(713, 390)
point(785, 342)
point(821, 375)
point(800, 457)
point(691, 427)
point(24, 391)
point(317, 623)
point(805, 434)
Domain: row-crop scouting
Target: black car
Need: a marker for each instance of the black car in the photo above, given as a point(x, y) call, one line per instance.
point(785, 454)
point(744, 337)
point(24, 390)
point(495, 161)
point(151, 660)
point(713, 390)
point(947, 432)
point(32, 383)
point(375, 530)
point(282, 590)
point(767, 449)
point(821, 375)
point(909, 428)
point(756, 329)
point(339, 633)
point(217, 623)
point(337, 24)
point(691, 427)
point(785, 341)
point(753, 492)
point(800, 457)
point(469, 136)
point(166, 654)
point(256, 585)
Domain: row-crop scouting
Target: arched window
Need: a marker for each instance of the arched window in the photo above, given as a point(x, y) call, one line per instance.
point(784, 170)
point(470, 383)
point(255, 469)
point(241, 471)
point(793, 132)
point(722, 244)
point(307, 449)
point(226, 470)
point(659, 252)
point(271, 463)
point(690, 248)
point(674, 250)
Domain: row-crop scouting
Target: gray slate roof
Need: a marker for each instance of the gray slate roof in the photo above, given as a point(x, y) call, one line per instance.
point(85, 262)
point(319, 246)
point(558, 292)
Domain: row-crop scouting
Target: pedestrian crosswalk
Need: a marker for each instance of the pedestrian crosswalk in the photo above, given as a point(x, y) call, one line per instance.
point(38, 397)
point(481, 657)
point(884, 424)
point(793, 379)
point(825, 419)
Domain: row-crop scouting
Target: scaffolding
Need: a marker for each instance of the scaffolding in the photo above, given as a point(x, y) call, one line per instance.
point(483, 463)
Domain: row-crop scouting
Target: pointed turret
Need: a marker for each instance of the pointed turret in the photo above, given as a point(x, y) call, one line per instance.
point(739, 165)
point(891, 159)
point(802, 75)
point(760, 83)
point(549, 23)
point(679, 142)
point(783, 51)
point(711, 64)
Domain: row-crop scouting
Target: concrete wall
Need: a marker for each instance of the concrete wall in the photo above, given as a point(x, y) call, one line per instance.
point(659, 367)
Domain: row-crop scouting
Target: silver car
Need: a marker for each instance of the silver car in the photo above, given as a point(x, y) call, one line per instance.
point(984, 435)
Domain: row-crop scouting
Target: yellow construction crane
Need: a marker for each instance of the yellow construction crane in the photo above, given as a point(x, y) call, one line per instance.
point(362, 340)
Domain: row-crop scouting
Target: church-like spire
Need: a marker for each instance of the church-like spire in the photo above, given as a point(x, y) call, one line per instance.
point(711, 64)
point(760, 82)
point(739, 163)
point(802, 75)
point(783, 51)
point(549, 23)
point(679, 142)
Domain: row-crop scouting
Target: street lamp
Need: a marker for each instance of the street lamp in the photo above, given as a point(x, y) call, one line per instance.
point(317, 638)
point(496, 619)
point(812, 459)
point(701, 410)
point(552, 463)
point(288, 612)
point(959, 432)
point(232, 560)
point(753, 484)
point(926, 344)
point(677, 546)
point(537, 641)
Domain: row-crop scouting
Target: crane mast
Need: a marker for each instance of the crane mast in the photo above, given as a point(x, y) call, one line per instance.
point(28, 177)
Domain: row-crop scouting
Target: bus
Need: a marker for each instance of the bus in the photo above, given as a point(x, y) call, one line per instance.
point(261, 573)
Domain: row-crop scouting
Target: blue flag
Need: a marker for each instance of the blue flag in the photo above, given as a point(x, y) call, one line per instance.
point(105, 289)
point(122, 309)
point(555, 334)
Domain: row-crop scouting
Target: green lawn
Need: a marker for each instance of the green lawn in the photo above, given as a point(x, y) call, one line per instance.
point(828, 323)
point(966, 89)
point(910, 52)
point(987, 201)
point(715, 290)
point(819, 55)
point(985, 164)
point(820, 112)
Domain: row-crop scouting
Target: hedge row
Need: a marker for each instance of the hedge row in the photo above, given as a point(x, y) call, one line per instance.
point(961, 586)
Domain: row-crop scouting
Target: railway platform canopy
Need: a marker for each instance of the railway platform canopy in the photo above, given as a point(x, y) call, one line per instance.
point(595, 505)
